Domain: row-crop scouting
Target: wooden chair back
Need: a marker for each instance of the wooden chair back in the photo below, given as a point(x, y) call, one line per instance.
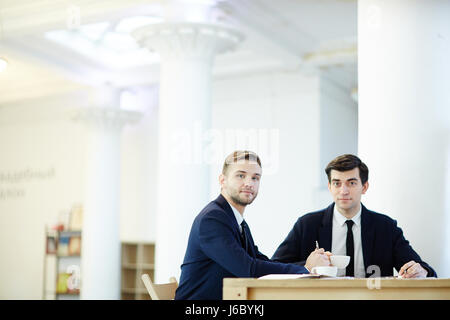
point(163, 291)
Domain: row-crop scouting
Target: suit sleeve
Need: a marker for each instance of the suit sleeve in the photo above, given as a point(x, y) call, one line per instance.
point(260, 255)
point(289, 250)
point(404, 253)
point(219, 243)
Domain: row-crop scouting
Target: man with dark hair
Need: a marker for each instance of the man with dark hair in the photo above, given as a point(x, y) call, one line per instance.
point(347, 227)
point(220, 243)
point(348, 162)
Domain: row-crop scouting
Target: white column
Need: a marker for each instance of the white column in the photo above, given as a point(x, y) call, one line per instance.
point(100, 258)
point(404, 115)
point(187, 51)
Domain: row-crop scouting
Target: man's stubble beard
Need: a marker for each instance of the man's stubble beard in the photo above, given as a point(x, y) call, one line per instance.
point(236, 199)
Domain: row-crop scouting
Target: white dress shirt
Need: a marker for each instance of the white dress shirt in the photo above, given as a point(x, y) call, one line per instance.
point(339, 239)
point(238, 216)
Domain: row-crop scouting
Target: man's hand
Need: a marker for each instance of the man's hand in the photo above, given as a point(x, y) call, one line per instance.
point(318, 258)
point(412, 269)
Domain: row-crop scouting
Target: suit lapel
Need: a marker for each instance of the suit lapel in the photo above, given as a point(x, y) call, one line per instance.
point(325, 229)
point(367, 236)
point(223, 203)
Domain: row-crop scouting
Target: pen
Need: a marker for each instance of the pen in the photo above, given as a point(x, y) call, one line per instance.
point(405, 272)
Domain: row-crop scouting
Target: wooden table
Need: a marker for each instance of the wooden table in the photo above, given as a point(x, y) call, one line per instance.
point(336, 289)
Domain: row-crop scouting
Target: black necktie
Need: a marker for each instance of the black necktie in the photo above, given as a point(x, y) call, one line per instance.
point(244, 235)
point(349, 271)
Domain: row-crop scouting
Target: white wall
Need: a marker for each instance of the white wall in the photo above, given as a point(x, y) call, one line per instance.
point(338, 131)
point(139, 168)
point(34, 136)
point(338, 123)
point(283, 107)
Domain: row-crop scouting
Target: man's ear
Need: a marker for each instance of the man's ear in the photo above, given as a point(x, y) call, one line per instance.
point(221, 179)
point(329, 186)
point(365, 187)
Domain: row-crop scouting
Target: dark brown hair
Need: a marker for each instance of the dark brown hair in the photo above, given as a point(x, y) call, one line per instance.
point(348, 162)
point(240, 155)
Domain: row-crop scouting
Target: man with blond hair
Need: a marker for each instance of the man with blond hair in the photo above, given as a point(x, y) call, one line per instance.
point(220, 242)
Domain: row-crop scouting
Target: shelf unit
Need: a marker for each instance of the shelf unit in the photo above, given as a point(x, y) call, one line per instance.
point(137, 258)
point(62, 260)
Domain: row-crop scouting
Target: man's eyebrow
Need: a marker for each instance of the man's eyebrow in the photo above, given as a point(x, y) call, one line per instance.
point(242, 171)
point(351, 179)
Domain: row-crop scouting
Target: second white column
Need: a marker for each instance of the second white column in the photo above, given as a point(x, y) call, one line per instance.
point(187, 51)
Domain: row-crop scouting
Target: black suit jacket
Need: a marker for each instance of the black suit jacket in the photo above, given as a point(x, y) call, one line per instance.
point(383, 243)
point(215, 251)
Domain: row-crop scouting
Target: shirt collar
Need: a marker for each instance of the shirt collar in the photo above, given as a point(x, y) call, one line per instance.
point(340, 219)
point(237, 215)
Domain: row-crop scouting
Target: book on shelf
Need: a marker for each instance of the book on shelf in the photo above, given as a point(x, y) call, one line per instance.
point(74, 245)
point(76, 218)
point(67, 283)
point(63, 245)
point(61, 285)
point(51, 245)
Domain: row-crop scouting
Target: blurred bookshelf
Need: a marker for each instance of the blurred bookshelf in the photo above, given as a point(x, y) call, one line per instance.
point(137, 258)
point(62, 262)
point(62, 275)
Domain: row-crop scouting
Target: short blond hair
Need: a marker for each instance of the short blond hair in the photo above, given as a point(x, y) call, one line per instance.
point(240, 155)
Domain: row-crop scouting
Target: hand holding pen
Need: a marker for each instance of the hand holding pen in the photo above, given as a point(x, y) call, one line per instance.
point(319, 257)
point(321, 250)
point(412, 269)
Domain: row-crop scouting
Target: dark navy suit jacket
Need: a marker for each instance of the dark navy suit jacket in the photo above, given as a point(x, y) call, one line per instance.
point(383, 243)
point(215, 251)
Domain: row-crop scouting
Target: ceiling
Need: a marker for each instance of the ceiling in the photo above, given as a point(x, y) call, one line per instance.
point(47, 55)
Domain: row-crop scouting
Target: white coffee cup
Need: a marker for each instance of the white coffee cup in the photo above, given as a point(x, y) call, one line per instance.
point(339, 261)
point(330, 271)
